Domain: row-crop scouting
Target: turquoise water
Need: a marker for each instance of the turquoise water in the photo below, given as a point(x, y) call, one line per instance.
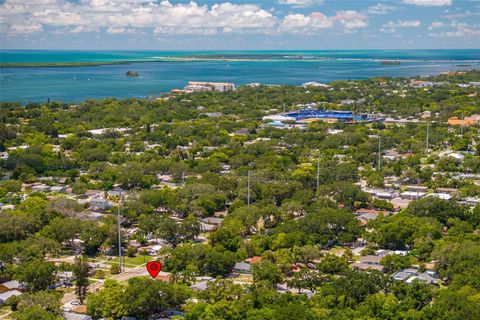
point(73, 84)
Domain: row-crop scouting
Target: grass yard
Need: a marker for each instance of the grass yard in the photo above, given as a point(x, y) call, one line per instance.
point(131, 262)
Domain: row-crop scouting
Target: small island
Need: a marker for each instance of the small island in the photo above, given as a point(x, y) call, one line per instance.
point(131, 74)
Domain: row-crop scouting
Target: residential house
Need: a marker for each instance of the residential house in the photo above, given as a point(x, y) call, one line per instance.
point(201, 286)
point(366, 217)
point(254, 259)
point(213, 220)
point(470, 201)
point(4, 296)
point(447, 190)
point(410, 195)
point(10, 285)
point(75, 316)
point(207, 227)
point(443, 196)
point(404, 275)
point(64, 278)
point(95, 216)
point(466, 121)
point(58, 189)
point(115, 193)
point(382, 253)
point(95, 193)
point(41, 188)
point(242, 131)
point(391, 155)
point(368, 262)
point(416, 188)
point(410, 275)
point(423, 277)
point(242, 267)
point(100, 204)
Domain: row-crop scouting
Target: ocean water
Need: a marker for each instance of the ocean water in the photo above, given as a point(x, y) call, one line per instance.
point(166, 70)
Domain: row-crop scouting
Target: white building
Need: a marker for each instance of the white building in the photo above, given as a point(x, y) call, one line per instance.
point(411, 195)
point(197, 86)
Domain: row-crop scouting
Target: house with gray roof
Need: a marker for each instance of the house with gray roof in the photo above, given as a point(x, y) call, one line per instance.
point(411, 275)
point(404, 275)
point(10, 285)
point(368, 262)
point(242, 267)
point(4, 296)
point(201, 286)
point(423, 277)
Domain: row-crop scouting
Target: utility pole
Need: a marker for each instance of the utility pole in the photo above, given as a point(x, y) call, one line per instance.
point(428, 135)
point(119, 234)
point(379, 155)
point(318, 169)
point(461, 127)
point(248, 192)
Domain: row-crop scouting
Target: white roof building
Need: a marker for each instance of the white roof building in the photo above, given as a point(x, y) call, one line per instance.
point(411, 195)
point(441, 195)
point(4, 296)
point(278, 117)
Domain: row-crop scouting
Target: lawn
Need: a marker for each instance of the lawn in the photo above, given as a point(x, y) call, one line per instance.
point(131, 262)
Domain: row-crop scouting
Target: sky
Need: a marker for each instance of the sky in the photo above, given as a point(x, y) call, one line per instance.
point(239, 24)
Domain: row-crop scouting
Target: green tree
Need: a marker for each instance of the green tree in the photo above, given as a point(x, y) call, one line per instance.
point(42, 305)
point(333, 264)
point(267, 271)
point(395, 262)
point(81, 270)
point(437, 208)
point(36, 274)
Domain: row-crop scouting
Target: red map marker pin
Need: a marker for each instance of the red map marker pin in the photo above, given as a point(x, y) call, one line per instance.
point(153, 268)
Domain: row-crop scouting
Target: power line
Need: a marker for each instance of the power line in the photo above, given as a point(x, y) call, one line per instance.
point(248, 192)
point(318, 169)
point(428, 135)
point(119, 234)
point(379, 155)
point(461, 127)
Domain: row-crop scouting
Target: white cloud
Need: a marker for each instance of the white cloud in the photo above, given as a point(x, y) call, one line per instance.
point(112, 30)
point(463, 30)
point(299, 23)
point(118, 16)
point(351, 19)
point(300, 3)
point(429, 3)
point(461, 15)
point(402, 24)
point(26, 28)
point(435, 24)
point(380, 8)
point(164, 17)
point(355, 24)
point(387, 30)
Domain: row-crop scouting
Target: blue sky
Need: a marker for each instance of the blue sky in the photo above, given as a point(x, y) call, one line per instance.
point(239, 24)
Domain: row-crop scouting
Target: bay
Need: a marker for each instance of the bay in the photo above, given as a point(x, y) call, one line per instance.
point(161, 71)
